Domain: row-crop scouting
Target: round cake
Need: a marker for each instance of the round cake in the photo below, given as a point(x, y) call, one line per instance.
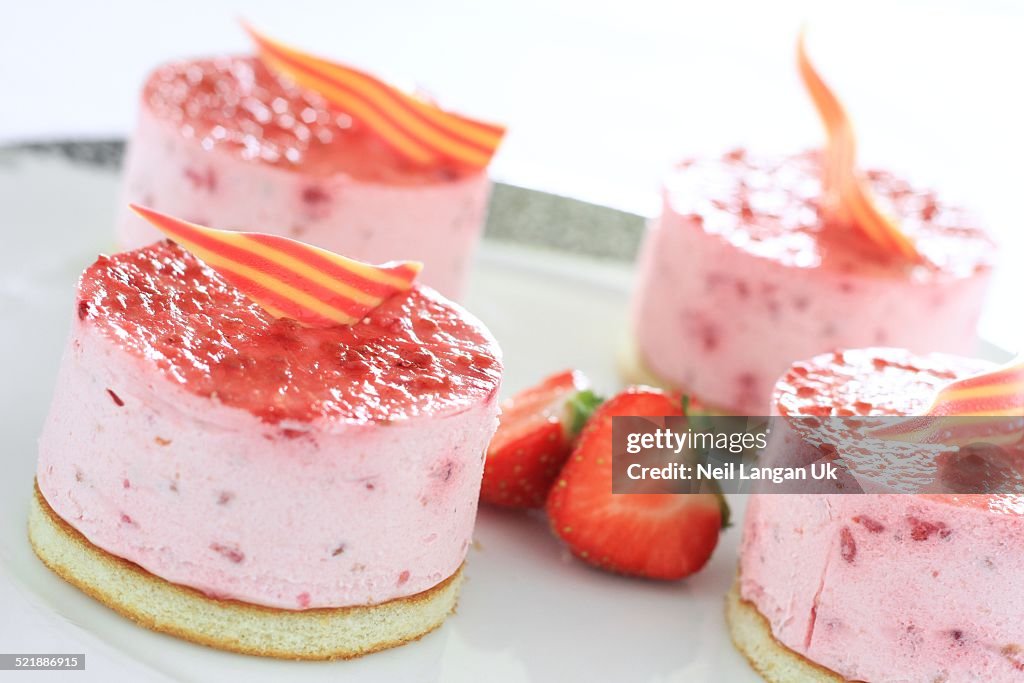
point(226, 142)
point(742, 275)
point(245, 482)
point(874, 587)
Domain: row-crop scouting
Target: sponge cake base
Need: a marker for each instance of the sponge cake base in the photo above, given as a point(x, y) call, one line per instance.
point(752, 636)
point(323, 633)
point(633, 370)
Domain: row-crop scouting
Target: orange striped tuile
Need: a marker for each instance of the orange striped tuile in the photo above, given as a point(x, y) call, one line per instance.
point(974, 409)
point(423, 133)
point(848, 193)
point(996, 393)
point(290, 279)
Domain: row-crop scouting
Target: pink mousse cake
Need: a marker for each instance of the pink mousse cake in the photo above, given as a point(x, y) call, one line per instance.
point(869, 587)
point(226, 142)
point(253, 463)
point(741, 275)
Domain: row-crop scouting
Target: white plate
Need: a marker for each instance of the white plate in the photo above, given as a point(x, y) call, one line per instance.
point(528, 612)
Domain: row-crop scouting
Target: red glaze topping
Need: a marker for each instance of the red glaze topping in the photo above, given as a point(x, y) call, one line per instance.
point(769, 206)
point(876, 381)
point(235, 104)
point(415, 354)
point(882, 381)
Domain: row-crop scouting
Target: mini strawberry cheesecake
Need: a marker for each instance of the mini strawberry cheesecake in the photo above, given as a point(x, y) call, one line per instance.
point(916, 588)
point(229, 141)
point(254, 484)
point(758, 261)
point(743, 274)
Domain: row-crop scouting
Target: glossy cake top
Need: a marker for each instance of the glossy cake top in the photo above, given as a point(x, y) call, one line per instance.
point(238, 106)
point(416, 354)
point(874, 381)
point(770, 207)
point(882, 381)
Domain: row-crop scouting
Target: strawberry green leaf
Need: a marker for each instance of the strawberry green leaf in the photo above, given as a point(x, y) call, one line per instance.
point(581, 407)
point(726, 512)
point(723, 505)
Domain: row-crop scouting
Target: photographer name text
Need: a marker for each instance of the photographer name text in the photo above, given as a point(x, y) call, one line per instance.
point(732, 472)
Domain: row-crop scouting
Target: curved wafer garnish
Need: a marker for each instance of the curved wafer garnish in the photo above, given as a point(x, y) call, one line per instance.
point(290, 279)
point(423, 133)
point(999, 392)
point(848, 193)
point(975, 409)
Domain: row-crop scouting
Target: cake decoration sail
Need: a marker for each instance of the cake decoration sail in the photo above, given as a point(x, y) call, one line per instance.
point(847, 193)
point(422, 132)
point(996, 393)
point(287, 278)
point(983, 408)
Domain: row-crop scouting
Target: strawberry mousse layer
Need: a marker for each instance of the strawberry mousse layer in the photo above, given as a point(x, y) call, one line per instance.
point(254, 459)
point(226, 143)
point(916, 588)
point(741, 275)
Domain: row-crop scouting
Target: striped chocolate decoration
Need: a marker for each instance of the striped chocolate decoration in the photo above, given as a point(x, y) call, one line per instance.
point(290, 279)
point(975, 409)
point(990, 394)
point(849, 192)
point(423, 133)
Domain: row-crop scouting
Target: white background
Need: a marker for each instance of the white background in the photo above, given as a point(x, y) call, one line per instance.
point(600, 97)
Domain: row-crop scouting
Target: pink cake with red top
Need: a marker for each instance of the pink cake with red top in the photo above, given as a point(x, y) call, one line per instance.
point(225, 141)
point(251, 459)
point(742, 275)
point(917, 588)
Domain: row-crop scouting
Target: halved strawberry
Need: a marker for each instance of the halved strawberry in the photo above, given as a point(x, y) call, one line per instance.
point(659, 536)
point(535, 436)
